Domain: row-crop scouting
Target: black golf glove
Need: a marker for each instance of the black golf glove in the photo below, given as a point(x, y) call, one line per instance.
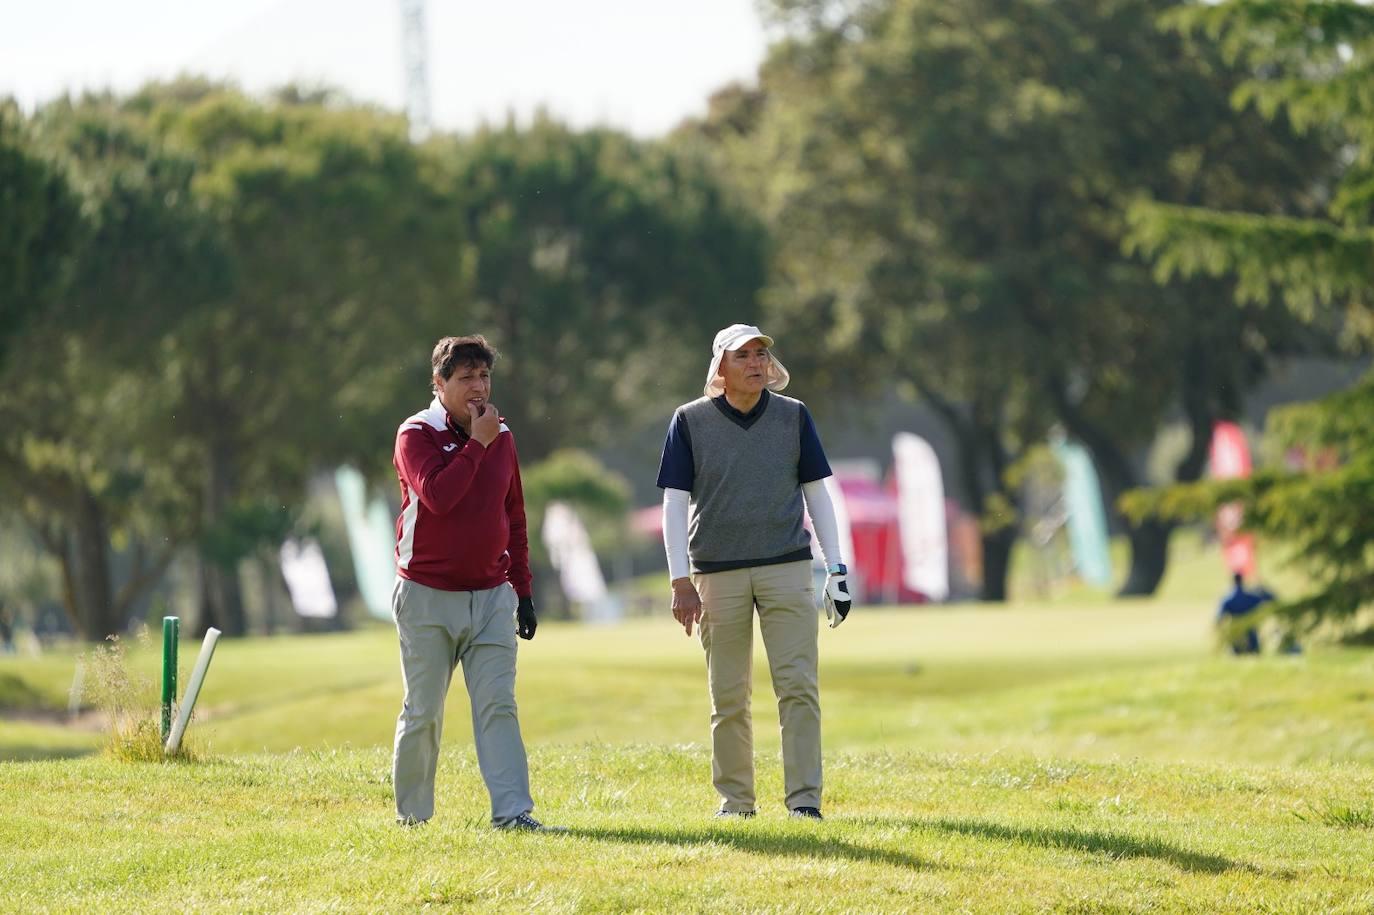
point(525, 620)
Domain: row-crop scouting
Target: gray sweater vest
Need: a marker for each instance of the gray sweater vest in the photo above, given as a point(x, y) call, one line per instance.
point(746, 498)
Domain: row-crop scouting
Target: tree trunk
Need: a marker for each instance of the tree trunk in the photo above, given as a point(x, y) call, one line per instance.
point(221, 600)
point(1149, 558)
point(221, 594)
point(996, 563)
point(268, 572)
point(91, 601)
point(79, 539)
point(1149, 541)
point(982, 460)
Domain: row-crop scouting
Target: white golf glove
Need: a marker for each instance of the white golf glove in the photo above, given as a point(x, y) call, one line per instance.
point(837, 599)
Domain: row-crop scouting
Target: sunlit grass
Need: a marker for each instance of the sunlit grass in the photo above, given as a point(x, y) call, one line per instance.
point(1102, 681)
point(907, 831)
point(1072, 756)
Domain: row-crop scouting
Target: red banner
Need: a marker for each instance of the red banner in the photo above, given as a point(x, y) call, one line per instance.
point(1230, 459)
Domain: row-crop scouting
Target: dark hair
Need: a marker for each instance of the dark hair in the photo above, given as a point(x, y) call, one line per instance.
point(452, 352)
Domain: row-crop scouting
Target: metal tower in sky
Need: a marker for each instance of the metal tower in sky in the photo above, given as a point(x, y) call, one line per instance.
point(415, 59)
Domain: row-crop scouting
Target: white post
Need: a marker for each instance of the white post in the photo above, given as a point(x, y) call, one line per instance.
point(78, 689)
point(188, 702)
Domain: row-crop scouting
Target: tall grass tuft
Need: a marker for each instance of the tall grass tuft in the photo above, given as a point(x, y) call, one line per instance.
point(130, 705)
point(1337, 814)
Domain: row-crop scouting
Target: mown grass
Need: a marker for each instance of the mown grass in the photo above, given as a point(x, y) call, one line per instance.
point(1095, 682)
point(908, 831)
point(1069, 757)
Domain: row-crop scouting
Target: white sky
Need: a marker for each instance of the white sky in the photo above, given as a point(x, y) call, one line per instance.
point(641, 65)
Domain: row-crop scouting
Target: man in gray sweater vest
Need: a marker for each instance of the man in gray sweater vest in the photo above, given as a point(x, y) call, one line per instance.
point(740, 461)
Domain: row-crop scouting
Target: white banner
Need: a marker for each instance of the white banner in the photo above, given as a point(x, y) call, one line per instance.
point(570, 552)
point(921, 516)
point(371, 540)
point(307, 579)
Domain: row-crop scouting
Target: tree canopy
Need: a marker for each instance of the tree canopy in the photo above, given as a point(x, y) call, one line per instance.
point(221, 296)
point(1313, 65)
point(947, 186)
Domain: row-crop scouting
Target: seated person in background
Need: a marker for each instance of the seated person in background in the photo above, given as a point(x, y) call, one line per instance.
point(1237, 605)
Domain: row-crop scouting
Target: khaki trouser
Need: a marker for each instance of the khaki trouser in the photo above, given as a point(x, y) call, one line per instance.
point(438, 630)
point(786, 602)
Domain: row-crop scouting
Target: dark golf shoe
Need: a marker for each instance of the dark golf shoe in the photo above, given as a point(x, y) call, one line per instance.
point(527, 823)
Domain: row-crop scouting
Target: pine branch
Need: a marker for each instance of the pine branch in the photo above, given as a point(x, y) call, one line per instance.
point(1308, 262)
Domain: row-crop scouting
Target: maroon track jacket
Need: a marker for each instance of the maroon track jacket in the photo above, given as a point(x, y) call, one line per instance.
point(462, 522)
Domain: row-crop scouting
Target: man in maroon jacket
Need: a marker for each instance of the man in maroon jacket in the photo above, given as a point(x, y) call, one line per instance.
point(463, 576)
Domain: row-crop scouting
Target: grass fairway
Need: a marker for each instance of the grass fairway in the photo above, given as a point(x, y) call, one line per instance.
point(1093, 757)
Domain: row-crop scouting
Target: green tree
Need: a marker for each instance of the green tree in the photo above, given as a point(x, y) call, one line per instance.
point(948, 184)
point(82, 465)
point(338, 241)
point(1314, 67)
point(259, 282)
point(40, 224)
point(601, 267)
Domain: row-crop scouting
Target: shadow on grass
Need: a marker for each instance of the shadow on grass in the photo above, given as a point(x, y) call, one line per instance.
point(17, 694)
point(796, 845)
point(1095, 841)
point(36, 753)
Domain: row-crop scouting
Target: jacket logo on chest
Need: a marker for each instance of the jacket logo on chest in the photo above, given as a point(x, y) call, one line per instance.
point(450, 446)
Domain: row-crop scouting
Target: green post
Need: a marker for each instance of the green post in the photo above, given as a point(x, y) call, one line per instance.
point(170, 624)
